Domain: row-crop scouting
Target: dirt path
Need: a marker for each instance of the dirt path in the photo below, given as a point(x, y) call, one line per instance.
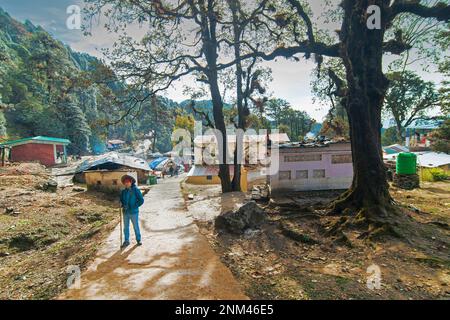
point(175, 261)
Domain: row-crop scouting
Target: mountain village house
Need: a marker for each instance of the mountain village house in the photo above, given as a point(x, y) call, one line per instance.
point(203, 174)
point(45, 150)
point(418, 133)
point(313, 166)
point(105, 171)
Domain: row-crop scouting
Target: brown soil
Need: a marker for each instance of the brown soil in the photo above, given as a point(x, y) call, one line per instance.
point(293, 256)
point(42, 233)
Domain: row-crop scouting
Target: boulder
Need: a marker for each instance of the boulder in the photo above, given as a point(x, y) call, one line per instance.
point(249, 216)
point(260, 192)
point(50, 186)
point(407, 182)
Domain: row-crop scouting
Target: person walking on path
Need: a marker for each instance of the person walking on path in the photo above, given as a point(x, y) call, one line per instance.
point(131, 199)
point(170, 167)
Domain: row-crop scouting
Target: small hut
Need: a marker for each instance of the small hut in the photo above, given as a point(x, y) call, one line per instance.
point(112, 162)
point(105, 180)
point(48, 151)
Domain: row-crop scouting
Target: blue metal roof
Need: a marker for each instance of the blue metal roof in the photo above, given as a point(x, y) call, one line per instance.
point(429, 124)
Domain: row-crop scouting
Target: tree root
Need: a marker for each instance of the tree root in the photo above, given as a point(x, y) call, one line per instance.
point(376, 221)
point(291, 232)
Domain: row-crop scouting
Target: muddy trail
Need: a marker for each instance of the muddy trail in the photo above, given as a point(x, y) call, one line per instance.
point(175, 261)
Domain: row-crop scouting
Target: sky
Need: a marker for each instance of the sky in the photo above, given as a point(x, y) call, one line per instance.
point(291, 80)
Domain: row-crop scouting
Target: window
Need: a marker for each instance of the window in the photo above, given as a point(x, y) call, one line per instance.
point(208, 177)
point(301, 174)
point(341, 158)
point(303, 157)
point(284, 175)
point(319, 173)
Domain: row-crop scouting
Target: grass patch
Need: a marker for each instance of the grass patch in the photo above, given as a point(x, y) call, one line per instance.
point(434, 175)
point(434, 262)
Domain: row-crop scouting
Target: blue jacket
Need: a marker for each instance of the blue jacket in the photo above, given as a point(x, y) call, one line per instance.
point(131, 200)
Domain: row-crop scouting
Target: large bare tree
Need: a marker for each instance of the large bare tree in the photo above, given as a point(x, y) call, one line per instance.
point(186, 38)
point(182, 39)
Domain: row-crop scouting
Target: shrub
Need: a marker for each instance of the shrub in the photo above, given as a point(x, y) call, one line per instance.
point(438, 174)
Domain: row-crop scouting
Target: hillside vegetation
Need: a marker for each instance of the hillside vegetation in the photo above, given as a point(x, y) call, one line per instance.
point(46, 88)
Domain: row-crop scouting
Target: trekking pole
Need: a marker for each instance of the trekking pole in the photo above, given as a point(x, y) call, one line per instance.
point(121, 214)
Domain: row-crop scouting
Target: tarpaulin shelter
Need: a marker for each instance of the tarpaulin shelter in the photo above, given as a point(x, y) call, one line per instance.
point(155, 163)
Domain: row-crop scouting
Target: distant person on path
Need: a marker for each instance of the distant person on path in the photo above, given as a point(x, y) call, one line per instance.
point(171, 169)
point(176, 169)
point(131, 199)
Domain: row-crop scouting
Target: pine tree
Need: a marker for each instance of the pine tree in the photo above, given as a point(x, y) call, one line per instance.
point(2, 121)
point(77, 127)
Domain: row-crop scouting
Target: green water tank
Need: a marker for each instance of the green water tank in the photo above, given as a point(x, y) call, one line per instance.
point(152, 180)
point(406, 163)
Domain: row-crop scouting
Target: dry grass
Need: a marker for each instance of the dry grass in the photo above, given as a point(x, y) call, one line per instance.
point(42, 233)
point(273, 265)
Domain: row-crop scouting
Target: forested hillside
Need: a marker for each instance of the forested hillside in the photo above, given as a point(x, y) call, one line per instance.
point(48, 89)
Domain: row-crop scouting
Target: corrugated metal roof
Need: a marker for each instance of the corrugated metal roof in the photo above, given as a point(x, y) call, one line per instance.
point(426, 159)
point(416, 124)
point(312, 144)
point(201, 171)
point(276, 137)
point(432, 159)
point(395, 148)
point(425, 124)
point(116, 141)
point(37, 139)
point(116, 158)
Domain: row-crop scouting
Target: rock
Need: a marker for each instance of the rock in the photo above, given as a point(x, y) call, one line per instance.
point(191, 196)
point(50, 186)
point(256, 195)
point(407, 181)
point(260, 192)
point(78, 189)
point(249, 216)
point(250, 233)
point(12, 211)
point(265, 192)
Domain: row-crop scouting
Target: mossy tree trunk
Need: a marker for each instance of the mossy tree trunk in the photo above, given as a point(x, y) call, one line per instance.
point(368, 198)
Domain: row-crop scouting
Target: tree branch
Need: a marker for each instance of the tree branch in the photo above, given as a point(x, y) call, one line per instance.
point(205, 116)
point(440, 11)
point(341, 90)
